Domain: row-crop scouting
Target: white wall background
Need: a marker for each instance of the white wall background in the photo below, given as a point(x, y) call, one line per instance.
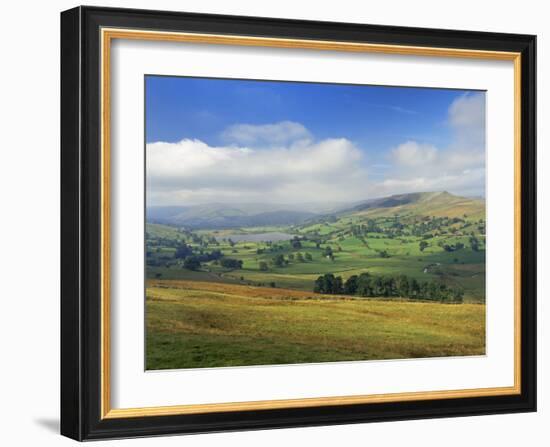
point(29, 188)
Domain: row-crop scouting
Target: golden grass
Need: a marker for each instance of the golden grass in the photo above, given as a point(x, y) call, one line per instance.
point(199, 324)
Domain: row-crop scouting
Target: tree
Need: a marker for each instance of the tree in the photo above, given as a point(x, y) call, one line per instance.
point(388, 286)
point(338, 286)
point(327, 252)
point(300, 257)
point(212, 256)
point(183, 251)
point(296, 243)
point(364, 284)
point(474, 243)
point(192, 263)
point(414, 288)
point(328, 284)
point(424, 290)
point(457, 295)
point(231, 263)
point(378, 286)
point(350, 286)
point(403, 286)
point(263, 266)
point(279, 260)
point(320, 285)
point(423, 245)
point(308, 257)
point(433, 291)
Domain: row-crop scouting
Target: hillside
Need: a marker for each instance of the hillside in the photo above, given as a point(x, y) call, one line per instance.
point(227, 216)
point(438, 204)
point(192, 324)
point(220, 216)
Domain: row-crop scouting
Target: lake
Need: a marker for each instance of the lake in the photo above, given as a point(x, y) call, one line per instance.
point(274, 236)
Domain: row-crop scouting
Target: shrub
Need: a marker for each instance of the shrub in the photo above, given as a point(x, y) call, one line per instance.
point(231, 263)
point(192, 263)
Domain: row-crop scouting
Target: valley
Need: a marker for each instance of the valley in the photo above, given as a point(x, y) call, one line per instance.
point(435, 237)
point(398, 277)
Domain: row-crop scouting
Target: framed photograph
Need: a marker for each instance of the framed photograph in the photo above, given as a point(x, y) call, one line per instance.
point(276, 223)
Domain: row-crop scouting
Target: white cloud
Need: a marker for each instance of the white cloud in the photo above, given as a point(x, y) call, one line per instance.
point(282, 163)
point(460, 171)
point(467, 119)
point(460, 167)
point(281, 133)
point(412, 158)
point(412, 153)
point(191, 171)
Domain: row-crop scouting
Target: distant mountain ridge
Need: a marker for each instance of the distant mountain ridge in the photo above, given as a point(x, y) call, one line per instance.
point(391, 201)
point(226, 216)
point(440, 203)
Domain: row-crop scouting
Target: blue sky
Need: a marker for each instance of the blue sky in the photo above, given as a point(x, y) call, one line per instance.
point(390, 136)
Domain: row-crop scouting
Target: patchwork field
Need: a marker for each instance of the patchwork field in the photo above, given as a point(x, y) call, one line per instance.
point(196, 323)
point(398, 277)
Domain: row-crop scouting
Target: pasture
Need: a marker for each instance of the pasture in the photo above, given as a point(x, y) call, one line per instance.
point(193, 324)
point(351, 255)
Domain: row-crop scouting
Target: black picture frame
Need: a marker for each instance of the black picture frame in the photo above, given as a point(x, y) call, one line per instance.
point(81, 223)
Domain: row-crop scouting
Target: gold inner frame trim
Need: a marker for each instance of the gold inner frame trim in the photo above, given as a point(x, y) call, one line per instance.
point(107, 35)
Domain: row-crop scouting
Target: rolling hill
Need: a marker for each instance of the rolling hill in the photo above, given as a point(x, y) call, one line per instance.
point(219, 216)
point(227, 216)
point(436, 204)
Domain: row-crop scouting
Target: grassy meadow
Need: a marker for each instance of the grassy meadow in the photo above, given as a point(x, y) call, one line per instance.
point(193, 324)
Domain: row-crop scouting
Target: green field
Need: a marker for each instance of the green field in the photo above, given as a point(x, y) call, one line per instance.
point(194, 324)
point(464, 268)
point(245, 296)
